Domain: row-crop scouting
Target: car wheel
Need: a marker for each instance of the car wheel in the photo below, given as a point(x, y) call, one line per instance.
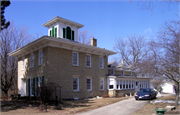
point(150, 98)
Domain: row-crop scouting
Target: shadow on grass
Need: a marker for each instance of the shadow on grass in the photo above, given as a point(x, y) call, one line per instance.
point(77, 103)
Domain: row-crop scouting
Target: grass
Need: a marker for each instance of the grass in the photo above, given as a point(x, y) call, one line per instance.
point(149, 108)
point(67, 107)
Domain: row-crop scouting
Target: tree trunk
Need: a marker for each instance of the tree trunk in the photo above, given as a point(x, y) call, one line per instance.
point(177, 94)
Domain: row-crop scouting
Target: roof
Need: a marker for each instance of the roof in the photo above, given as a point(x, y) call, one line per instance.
point(45, 41)
point(59, 19)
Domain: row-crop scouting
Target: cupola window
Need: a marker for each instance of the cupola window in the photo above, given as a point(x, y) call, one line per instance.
point(53, 32)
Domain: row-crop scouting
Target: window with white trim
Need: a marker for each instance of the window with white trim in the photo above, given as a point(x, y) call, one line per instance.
point(89, 84)
point(88, 60)
point(75, 60)
point(101, 63)
point(32, 87)
point(111, 84)
point(101, 84)
point(40, 57)
point(75, 84)
point(23, 63)
point(32, 60)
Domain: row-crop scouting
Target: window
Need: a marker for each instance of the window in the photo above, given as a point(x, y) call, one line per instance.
point(101, 64)
point(64, 33)
point(120, 82)
point(23, 63)
point(123, 84)
point(39, 83)
point(111, 84)
point(101, 84)
point(126, 84)
point(75, 59)
point(89, 84)
point(75, 84)
point(40, 57)
point(117, 84)
point(68, 33)
point(32, 60)
point(112, 71)
point(88, 60)
point(129, 84)
point(122, 73)
point(130, 73)
point(32, 87)
point(53, 32)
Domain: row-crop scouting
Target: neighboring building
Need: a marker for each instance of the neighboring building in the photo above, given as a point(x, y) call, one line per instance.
point(168, 87)
point(122, 79)
point(59, 58)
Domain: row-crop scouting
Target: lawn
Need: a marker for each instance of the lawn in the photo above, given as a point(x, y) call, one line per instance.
point(67, 107)
point(149, 108)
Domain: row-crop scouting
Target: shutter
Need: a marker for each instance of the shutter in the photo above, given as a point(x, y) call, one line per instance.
point(64, 32)
point(36, 86)
point(73, 35)
point(55, 32)
point(50, 33)
point(28, 87)
point(42, 80)
point(33, 86)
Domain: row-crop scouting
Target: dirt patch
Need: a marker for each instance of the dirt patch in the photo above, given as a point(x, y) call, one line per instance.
point(67, 107)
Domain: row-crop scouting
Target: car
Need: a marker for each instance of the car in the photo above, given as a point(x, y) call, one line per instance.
point(148, 93)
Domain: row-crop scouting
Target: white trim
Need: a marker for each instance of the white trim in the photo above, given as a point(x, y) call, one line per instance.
point(77, 84)
point(88, 60)
point(77, 61)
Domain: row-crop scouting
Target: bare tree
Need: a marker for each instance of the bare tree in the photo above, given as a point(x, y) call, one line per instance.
point(11, 39)
point(83, 37)
point(164, 59)
point(132, 50)
point(153, 4)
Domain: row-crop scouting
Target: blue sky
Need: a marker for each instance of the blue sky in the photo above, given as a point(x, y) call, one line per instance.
point(106, 20)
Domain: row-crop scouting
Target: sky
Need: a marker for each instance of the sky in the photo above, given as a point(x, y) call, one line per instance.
point(106, 20)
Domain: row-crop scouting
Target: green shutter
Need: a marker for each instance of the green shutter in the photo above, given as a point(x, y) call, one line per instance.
point(73, 35)
point(64, 33)
point(28, 87)
point(33, 86)
point(55, 32)
point(42, 80)
point(36, 86)
point(50, 33)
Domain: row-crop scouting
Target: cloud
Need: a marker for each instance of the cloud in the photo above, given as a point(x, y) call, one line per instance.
point(148, 30)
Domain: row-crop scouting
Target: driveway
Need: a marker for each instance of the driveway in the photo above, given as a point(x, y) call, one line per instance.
point(125, 107)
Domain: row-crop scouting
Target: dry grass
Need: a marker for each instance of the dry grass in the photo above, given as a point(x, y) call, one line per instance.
point(68, 107)
point(150, 108)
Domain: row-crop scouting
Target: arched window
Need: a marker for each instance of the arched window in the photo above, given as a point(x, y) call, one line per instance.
point(68, 32)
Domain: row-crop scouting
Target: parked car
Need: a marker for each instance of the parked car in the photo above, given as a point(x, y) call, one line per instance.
point(148, 93)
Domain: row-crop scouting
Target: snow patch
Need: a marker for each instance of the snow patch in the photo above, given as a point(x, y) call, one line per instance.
point(164, 101)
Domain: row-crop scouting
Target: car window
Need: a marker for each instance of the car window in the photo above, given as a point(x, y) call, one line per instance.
point(144, 90)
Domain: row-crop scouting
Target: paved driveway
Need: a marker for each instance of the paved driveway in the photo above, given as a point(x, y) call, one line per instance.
point(125, 107)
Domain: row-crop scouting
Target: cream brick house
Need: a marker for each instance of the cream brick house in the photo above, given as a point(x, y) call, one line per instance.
point(59, 58)
point(122, 79)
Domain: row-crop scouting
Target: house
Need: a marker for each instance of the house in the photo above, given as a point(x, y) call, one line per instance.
point(122, 79)
point(59, 58)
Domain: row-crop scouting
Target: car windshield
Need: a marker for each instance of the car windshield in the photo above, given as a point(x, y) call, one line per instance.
point(144, 90)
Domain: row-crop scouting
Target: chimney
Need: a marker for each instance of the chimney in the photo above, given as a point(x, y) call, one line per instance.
point(122, 61)
point(93, 42)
